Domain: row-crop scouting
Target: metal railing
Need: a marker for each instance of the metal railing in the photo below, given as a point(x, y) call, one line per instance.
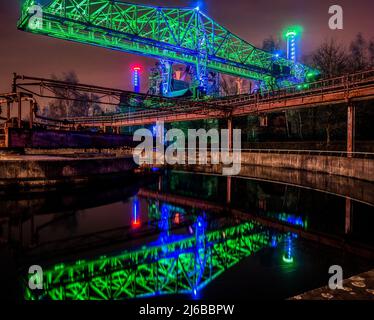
point(341, 154)
point(223, 106)
point(345, 154)
point(346, 82)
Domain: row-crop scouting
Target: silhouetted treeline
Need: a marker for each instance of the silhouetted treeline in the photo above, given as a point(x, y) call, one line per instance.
point(334, 59)
point(70, 102)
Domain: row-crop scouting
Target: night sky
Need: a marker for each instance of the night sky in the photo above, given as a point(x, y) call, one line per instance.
point(252, 20)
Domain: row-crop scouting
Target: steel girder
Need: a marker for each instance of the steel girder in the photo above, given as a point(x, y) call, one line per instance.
point(179, 267)
point(176, 34)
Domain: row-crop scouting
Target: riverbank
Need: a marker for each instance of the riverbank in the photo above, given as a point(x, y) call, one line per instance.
point(48, 170)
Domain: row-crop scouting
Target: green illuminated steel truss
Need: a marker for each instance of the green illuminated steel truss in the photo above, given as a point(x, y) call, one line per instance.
point(180, 267)
point(176, 34)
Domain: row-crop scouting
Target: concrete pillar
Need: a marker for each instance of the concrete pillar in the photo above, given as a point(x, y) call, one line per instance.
point(19, 110)
point(7, 140)
point(229, 127)
point(14, 84)
point(348, 216)
point(228, 191)
point(351, 129)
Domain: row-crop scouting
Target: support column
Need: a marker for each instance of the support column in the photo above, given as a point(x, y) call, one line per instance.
point(19, 110)
point(7, 140)
point(159, 155)
point(351, 129)
point(230, 135)
point(202, 63)
point(31, 120)
point(160, 183)
point(166, 76)
point(348, 216)
point(8, 110)
point(228, 192)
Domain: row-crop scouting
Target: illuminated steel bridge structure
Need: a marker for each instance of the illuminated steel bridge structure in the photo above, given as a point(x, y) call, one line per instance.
point(183, 35)
point(184, 265)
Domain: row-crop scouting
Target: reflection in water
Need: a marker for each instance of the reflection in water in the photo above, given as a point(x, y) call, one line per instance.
point(287, 256)
point(135, 214)
point(175, 234)
point(169, 266)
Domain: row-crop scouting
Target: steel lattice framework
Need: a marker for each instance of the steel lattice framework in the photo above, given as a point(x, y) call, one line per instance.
point(176, 34)
point(178, 267)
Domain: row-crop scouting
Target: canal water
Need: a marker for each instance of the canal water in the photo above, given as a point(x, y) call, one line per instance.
point(180, 235)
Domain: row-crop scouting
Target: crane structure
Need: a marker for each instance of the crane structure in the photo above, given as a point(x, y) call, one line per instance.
point(172, 35)
point(180, 266)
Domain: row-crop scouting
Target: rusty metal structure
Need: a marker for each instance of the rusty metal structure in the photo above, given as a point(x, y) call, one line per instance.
point(145, 109)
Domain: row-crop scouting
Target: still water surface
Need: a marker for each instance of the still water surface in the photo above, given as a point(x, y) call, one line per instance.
point(181, 235)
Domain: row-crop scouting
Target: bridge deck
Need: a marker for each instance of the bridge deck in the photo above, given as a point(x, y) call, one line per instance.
point(143, 109)
point(333, 91)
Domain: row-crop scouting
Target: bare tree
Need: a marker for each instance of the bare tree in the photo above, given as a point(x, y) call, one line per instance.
point(358, 54)
point(59, 108)
point(371, 53)
point(331, 118)
point(270, 44)
point(228, 86)
point(95, 108)
point(331, 59)
point(70, 102)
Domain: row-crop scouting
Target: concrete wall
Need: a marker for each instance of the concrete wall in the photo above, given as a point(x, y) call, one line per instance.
point(362, 169)
point(44, 170)
point(53, 139)
point(292, 168)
